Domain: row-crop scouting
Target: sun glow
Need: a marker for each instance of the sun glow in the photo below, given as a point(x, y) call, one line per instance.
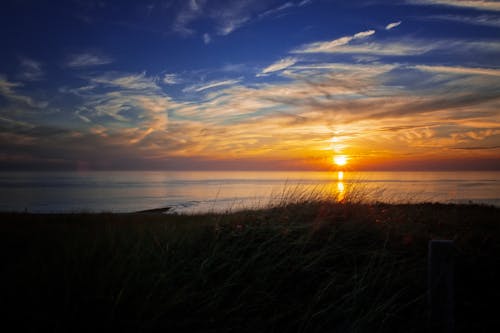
point(340, 160)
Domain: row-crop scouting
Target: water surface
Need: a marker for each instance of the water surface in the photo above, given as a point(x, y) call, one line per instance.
point(219, 191)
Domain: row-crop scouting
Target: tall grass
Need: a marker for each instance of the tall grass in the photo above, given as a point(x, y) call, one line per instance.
point(305, 263)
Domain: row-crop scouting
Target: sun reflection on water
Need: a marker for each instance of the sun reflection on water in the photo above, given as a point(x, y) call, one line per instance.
point(340, 186)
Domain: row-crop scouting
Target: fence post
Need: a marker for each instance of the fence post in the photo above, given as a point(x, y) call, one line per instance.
point(441, 286)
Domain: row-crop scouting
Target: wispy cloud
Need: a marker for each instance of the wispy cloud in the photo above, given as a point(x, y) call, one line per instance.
point(278, 9)
point(210, 85)
point(401, 47)
point(392, 25)
point(233, 15)
point(171, 78)
point(279, 65)
point(31, 70)
point(228, 16)
point(380, 108)
point(311, 108)
point(333, 45)
point(386, 48)
point(87, 60)
point(459, 70)
point(131, 99)
point(126, 81)
point(486, 20)
point(473, 4)
point(191, 11)
point(283, 7)
point(7, 89)
point(295, 120)
point(206, 38)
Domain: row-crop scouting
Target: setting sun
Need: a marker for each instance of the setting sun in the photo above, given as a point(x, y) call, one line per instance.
point(340, 160)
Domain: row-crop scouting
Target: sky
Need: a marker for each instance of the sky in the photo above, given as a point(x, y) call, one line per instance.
point(249, 85)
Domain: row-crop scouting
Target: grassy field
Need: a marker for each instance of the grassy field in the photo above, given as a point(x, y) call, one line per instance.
point(310, 266)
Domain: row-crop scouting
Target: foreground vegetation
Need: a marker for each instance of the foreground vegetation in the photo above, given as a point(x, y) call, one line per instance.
point(309, 266)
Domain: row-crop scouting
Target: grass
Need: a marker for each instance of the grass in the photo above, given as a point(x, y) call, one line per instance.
point(303, 265)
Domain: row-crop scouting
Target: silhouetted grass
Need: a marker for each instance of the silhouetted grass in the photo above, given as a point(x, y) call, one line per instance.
point(304, 265)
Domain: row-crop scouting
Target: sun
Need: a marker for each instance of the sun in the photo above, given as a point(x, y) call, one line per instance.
point(340, 160)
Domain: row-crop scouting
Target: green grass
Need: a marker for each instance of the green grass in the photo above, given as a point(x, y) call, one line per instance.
point(304, 265)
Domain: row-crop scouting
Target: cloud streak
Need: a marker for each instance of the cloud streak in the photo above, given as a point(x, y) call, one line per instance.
point(472, 4)
point(279, 65)
point(400, 47)
point(333, 45)
point(227, 16)
point(126, 81)
point(31, 70)
point(392, 25)
point(211, 85)
point(83, 60)
point(171, 78)
point(460, 70)
point(7, 89)
point(485, 20)
point(192, 10)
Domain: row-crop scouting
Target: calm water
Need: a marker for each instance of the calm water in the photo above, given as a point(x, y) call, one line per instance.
point(216, 191)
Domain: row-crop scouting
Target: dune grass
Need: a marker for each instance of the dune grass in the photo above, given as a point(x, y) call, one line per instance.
point(304, 264)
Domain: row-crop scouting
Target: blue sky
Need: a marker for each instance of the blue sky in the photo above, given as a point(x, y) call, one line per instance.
point(206, 84)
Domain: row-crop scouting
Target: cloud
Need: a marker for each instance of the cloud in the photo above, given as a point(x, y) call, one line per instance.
point(331, 46)
point(131, 104)
point(87, 60)
point(478, 148)
point(31, 70)
point(392, 25)
point(402, 47)
point(363, 34)
point(228, 25)
point(126, 81)
point(228, 16)
point(113, 99)
point(386, 48)
point(171, 78)
point(192, 10)
point(128, 117)
point(210, 85)
point(293, 121)
point(473, 4)
point(7, 89)
point(485, 20)
point(287, 5)
point(206, 38)
point(278, 9)
point(459, 70)
point(279, 65)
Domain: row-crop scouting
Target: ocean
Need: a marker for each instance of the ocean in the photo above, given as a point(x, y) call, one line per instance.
point(190, 192)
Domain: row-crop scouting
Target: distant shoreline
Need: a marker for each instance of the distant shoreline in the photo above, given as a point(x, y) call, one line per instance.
point(168, 210)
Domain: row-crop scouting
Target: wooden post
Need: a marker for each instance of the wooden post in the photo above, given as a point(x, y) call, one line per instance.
point(441, 286)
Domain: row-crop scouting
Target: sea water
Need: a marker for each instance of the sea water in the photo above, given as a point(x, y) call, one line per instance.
point(198, 191)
